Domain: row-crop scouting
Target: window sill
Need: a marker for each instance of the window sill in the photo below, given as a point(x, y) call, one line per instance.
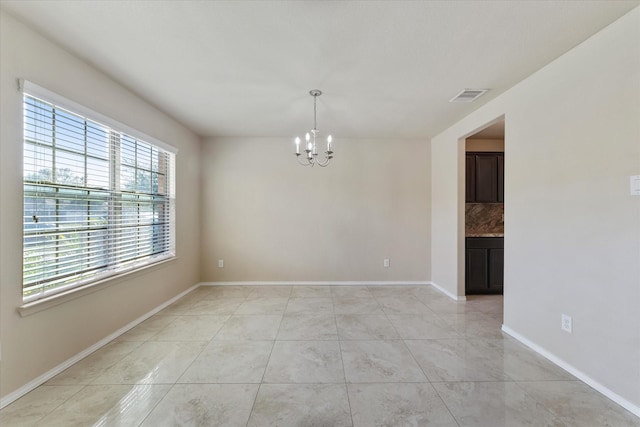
point(37, 306)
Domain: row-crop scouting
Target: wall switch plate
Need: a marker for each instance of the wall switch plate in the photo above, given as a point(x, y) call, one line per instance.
point(386, 262)
point(567, 323)
point(220, 263)
point(635, 185)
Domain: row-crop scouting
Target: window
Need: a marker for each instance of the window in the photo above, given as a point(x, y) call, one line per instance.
point(98, 201)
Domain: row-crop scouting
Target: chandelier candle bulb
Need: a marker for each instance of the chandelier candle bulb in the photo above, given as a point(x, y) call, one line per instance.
point(329, 139)
point(297, 145)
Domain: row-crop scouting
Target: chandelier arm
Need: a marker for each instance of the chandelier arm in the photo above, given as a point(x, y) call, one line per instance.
point(327, 159)
point(307, 163)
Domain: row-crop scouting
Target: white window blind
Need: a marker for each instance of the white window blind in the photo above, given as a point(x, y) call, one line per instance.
point(97, 201)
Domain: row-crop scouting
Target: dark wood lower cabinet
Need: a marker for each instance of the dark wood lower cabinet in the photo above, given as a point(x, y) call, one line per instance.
point(484, 265)
point(477, 270)
point(496, 270)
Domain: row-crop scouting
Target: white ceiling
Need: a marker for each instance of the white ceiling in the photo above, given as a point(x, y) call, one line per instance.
point(387, 68)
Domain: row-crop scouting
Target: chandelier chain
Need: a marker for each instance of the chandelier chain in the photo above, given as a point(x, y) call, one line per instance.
point(315, 124)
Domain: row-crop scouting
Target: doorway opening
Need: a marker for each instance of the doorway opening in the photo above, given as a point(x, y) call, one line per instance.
point(484, 153)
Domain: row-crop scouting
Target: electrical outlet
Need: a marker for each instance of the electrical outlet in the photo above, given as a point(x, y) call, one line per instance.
point(220, 263)
point(567, 323)
point(386, 262)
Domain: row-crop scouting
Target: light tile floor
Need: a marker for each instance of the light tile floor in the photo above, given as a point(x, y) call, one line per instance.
point(317, 356)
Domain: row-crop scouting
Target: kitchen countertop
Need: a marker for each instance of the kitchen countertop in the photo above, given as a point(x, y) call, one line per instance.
point(484, 235)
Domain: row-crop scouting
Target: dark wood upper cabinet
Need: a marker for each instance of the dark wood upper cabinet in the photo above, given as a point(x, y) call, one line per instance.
point(501, 178)
point(470, 178)
point(484, 178)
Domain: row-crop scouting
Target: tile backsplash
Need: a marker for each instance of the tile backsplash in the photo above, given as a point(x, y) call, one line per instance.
point(484, 219)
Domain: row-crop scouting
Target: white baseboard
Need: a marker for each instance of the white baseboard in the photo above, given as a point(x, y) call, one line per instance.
point(319, 283)
point(15, 395)
point(338, 283)
point(575, 372)
point(449, 294)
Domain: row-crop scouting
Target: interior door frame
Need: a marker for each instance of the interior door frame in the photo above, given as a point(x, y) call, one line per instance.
point(462, 201)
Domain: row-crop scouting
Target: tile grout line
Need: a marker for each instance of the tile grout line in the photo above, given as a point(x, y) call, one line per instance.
point(551, 412)
point(446, 406)
point(386, 315)
point(61, 403)
point(344, 372)
point(346, 385)
point(156, 405)
point(266, 366)
point(255, 398)
point(420, 366)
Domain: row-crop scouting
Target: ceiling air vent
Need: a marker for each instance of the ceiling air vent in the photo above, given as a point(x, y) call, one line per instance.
point(468, 95)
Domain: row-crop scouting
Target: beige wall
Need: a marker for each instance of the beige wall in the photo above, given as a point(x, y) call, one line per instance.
point(572, 230)
point(35, 344)
point(271, 219)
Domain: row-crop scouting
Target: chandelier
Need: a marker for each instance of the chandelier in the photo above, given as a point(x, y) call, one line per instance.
point(311, 149)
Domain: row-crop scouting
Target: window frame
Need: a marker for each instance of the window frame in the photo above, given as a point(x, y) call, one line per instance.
point(113, 269)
